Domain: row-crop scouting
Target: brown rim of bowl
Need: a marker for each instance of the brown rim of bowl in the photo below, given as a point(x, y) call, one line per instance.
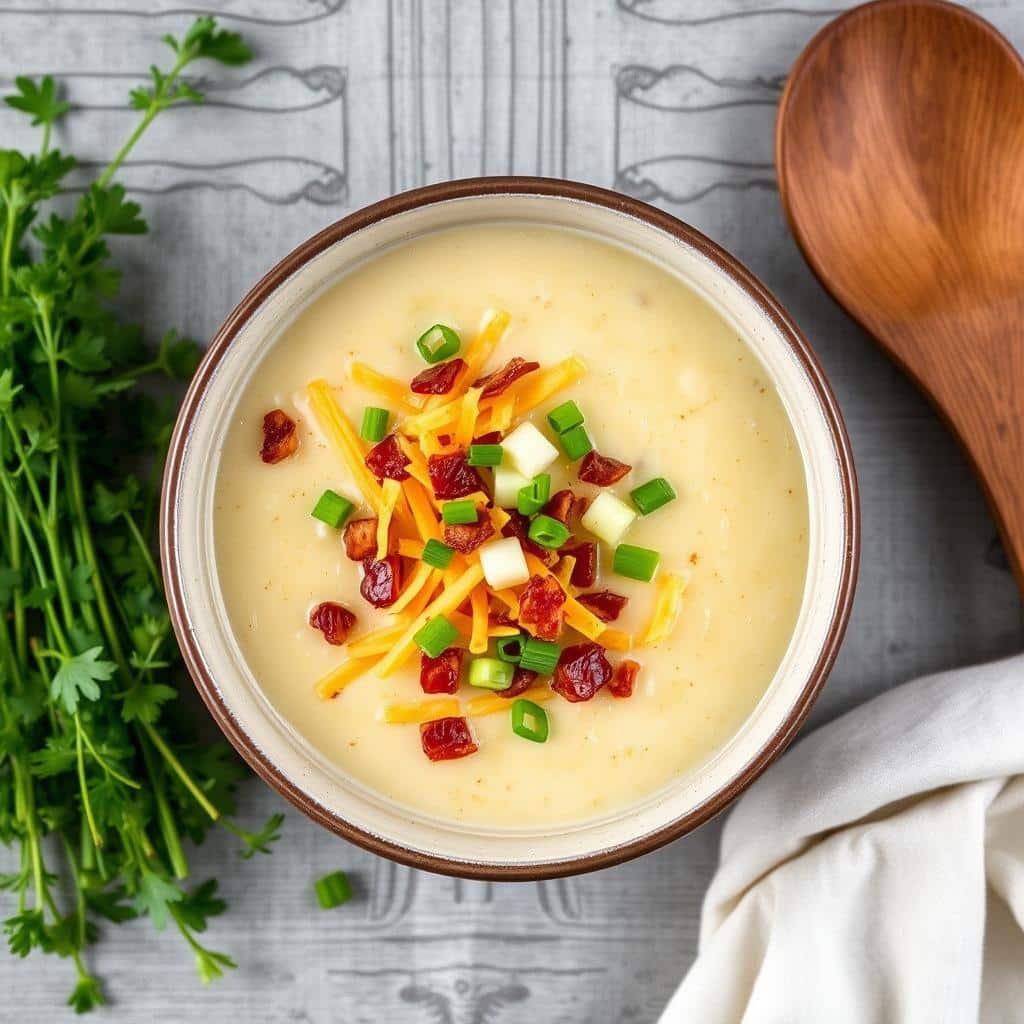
point(438, 193)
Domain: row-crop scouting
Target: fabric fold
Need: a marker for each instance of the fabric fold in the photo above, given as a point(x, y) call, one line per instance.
point(876, 873)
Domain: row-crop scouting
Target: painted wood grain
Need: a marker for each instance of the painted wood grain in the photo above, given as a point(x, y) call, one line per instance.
point(673, 99)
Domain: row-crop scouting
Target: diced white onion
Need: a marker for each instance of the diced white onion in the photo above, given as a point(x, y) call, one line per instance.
point(503, 563)
point(529, 450)
point(608, 517)
point(507, 485)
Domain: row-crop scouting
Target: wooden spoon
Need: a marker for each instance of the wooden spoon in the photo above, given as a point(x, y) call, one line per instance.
point(900, 152)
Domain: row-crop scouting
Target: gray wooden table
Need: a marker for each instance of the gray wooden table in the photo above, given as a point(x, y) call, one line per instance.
point(348, 101)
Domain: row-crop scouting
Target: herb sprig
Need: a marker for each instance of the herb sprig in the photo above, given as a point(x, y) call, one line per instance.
point(100, 781)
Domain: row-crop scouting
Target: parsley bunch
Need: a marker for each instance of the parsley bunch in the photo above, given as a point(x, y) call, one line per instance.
point(100, 781)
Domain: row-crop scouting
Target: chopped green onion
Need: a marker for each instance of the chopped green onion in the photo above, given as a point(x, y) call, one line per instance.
point(436, 637)
point(485, 455)
point(375, 424)
point(508, 483)
point(510, 648)
point(652, 495)
point(608, 517)
point(534, 496)
point(529, 720)
point(456, 513)
point(490, 674)
point(437, 554)
point(437, 343)
point(332, 509)
point(564, 417)
point(548, 532)
point(503, 563)
point(332, 890)
point(576, 443)
point(636, 563)
point(529, 450)
point(540, 656)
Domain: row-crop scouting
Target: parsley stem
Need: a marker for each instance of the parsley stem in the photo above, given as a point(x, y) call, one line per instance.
point(147, 555)
point(8, 246)
point(112, 772)
point(37, 561)
point(157, 103)
point(48, 520)
point(168, 827)
point(179, 769)
point(78, 508)
point(83, 786)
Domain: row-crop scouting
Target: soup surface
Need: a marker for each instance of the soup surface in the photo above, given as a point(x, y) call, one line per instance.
point(669, 388)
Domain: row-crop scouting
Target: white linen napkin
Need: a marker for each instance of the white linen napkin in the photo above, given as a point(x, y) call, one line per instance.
point(875, 875)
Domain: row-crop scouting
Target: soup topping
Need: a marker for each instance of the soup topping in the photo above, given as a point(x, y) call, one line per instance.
point(468, 548)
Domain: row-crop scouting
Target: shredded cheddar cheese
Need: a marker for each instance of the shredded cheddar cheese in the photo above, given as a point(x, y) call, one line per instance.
point(387, 387)
point(491, 705)
point(540, 386)
point(451, 597)
point(479, 603)
point(667, 607)
point(616, 640)
point(408, 548)
point(467, 417)
point(392, 491)
point(376, 643)
point(421, 711)
point(419, 579)
point(347, 672)
point(339, 431)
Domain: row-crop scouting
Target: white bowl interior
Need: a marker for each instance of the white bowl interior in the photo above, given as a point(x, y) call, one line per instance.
point(206, 618)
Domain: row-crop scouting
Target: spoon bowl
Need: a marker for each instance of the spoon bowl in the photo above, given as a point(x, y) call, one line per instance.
point(900, 154)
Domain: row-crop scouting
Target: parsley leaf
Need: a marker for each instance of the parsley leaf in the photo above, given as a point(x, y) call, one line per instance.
point(26, 931)
point(41, 101)
point(86, 995)
point(143, 701)
point(155, 897)
point(200, 905)
point(80, 676)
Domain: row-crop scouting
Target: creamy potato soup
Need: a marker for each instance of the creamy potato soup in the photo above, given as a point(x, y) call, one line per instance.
point(383, 577)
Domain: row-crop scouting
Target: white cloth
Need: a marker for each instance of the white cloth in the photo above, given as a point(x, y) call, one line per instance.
point(875, 875)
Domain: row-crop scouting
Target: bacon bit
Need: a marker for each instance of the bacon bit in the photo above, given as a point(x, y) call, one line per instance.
point(602, 470)
point(466, 537)
point(441, 674)
point(491, 437)
point(334, 620)
point(387, 460)
point(584, 573)
point(540, 607)
point(581, 671)
point(381, 581)
point(624, 678)
point(518, 526)
point(521, 682)
point(279, 437)
point(446, 739)
point(605, 604)
point(564, 505)
point(497, 382)
point(437, 380)
point(361, 539)
point(452, 477)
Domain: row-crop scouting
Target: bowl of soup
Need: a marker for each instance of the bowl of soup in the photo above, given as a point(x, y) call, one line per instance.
point(509, 528)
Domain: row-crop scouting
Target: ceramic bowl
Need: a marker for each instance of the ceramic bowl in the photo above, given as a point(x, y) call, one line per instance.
point(302, 775)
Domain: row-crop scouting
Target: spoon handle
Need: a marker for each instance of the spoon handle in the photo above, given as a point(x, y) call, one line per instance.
point(977, 385)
